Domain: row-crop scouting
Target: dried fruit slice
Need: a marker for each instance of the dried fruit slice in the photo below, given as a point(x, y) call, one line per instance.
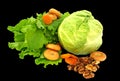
point(51, 54)
point(98, 56)
point(54, 11)
point(55, 47)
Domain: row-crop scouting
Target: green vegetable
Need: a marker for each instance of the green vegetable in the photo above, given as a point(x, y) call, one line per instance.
point(32, 34)
point(80, 33)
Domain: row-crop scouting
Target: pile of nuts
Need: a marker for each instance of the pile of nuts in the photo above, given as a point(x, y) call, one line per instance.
point(87, 66)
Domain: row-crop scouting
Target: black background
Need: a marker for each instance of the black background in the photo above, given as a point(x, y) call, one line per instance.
point(13, 68)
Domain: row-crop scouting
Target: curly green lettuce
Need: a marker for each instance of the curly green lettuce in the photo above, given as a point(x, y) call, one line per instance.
point(31, 35)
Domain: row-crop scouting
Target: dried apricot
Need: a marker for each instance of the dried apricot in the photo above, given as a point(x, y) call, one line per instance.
point(70, 59)
point(47, 19)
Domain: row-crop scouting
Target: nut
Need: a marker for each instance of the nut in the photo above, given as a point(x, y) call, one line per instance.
point(91, 67)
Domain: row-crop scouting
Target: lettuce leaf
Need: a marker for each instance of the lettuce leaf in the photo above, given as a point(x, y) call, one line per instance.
point(35, 39)
point(31, 35)
point(47, 62)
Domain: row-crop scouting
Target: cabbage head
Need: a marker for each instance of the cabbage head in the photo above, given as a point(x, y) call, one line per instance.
point(80, 33)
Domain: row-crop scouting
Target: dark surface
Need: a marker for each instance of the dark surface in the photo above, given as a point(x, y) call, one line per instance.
point(13, 68)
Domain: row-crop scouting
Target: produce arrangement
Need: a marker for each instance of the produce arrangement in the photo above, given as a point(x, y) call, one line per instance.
point(49, 33)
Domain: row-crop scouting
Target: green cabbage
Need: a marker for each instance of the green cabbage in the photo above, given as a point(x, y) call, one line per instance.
point(80, 33)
